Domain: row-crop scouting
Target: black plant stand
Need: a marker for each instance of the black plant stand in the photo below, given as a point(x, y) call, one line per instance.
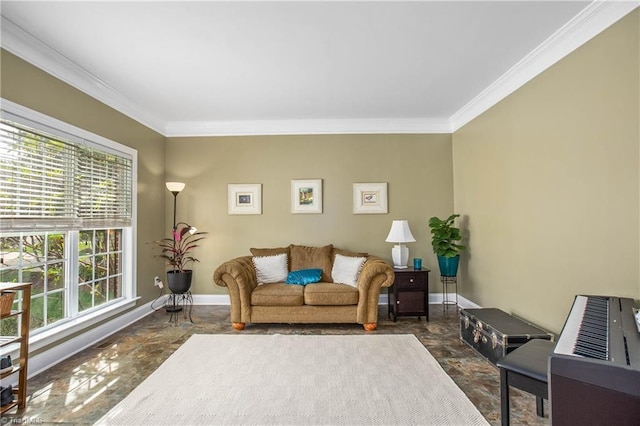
point(177, 302)
point(446, 301)
point(170, 304)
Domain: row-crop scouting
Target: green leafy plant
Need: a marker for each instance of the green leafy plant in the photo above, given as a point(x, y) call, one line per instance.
point(444, 236)
point(177, 250)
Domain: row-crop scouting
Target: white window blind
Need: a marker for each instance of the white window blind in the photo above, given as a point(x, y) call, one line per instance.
point(49, 182)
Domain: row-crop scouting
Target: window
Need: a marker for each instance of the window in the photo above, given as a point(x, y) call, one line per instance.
point(67, 215)
point(100, 274)
point(38, 258)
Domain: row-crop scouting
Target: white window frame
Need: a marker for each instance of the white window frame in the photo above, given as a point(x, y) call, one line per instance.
point(84, 320)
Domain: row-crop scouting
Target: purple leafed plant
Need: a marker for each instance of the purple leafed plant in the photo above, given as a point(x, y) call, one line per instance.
point(177, 250)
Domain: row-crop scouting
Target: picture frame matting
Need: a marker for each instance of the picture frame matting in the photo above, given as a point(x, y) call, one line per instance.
point(244, 198)
point(306, 196)
point(370, 198)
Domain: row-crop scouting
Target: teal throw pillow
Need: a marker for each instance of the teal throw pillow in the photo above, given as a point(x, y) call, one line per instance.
point(304, 276)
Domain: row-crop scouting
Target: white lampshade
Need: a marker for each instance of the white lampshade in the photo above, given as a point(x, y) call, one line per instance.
point(175, 187)
point(400, 233)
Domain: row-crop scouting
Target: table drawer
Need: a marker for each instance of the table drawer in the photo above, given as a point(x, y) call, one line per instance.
point(410, 280)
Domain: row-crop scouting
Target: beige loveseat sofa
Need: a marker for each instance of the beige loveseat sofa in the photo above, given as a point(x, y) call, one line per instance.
point(320, 302)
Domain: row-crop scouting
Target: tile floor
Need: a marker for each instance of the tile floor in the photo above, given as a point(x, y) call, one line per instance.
point(81, 389)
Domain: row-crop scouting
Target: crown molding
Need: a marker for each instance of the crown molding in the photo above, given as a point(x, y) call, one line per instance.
point(595, 18)
point(307, 127)
point(22, 44)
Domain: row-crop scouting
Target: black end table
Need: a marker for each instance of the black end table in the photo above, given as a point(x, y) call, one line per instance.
point(409, 294)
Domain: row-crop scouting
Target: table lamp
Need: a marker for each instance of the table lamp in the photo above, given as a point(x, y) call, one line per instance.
point(400, 233)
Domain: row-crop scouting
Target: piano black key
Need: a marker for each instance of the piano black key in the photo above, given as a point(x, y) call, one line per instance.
point(594, 343)
point(589, 354)
point(594, 331)
point(593, 351)
point(593, 348)
point(592, 334)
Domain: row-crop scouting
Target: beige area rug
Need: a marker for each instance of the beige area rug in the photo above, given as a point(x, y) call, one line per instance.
point(297, 380)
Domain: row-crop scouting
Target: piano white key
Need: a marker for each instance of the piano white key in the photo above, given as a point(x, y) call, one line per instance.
point(567, 340)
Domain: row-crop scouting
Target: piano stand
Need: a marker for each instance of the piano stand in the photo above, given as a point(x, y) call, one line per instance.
point(525, 368)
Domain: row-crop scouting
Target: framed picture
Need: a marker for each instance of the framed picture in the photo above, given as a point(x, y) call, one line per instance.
point(306, 196)
point(244, 198)
point(370, 198)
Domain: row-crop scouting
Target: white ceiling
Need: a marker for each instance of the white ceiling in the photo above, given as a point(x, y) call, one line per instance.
point(213, 67)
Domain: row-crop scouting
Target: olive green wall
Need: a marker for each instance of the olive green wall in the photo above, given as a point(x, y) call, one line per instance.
point(31, 87)
point(548, 183)
point(418, 169)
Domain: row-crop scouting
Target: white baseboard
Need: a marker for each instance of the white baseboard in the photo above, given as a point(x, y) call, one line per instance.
point(436, 301)
point(211, 299)
point(437, 298)
point(47, 359)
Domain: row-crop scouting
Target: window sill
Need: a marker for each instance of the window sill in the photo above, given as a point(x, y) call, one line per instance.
point(71, 327)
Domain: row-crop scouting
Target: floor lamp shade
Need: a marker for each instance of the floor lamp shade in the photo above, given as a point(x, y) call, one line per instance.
point(175, 187)
point(400, 233)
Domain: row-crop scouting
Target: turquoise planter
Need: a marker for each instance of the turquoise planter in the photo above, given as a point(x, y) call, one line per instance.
point(448, 265)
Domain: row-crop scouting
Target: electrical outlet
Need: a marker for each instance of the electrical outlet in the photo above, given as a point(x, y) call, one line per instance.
point(157, 282)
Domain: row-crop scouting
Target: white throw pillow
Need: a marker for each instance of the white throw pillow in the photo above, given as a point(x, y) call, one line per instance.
point(346, 269)
point(271, 269)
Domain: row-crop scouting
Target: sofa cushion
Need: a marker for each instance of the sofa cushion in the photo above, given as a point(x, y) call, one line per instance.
point(304, 276)
point(344, 253)
point(277, 294)
point(271, 251)
point(346, 269)
point(347, 253)
point(305, 257)
point(270, 269)
point(330, 294)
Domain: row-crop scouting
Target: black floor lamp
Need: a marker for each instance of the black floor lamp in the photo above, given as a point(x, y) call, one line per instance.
point(175, 188)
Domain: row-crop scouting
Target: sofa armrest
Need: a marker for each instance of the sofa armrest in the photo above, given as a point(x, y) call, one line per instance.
point(239, 276)
point(375, 274)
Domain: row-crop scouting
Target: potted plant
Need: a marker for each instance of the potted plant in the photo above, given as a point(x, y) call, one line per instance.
point(444, 237)
point(177, 252)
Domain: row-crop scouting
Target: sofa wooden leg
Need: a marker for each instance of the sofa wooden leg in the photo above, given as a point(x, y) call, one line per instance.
point(238, 326)
point(370, 326)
